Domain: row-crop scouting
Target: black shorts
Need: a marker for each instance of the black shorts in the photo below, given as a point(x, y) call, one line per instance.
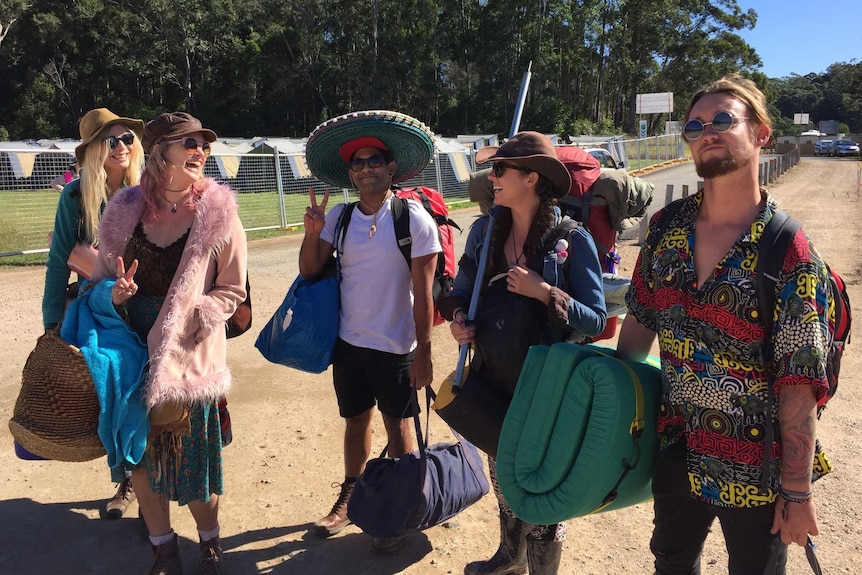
point(363, 377)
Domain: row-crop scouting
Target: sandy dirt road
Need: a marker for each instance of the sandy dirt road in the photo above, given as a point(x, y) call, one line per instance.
point(287, 449)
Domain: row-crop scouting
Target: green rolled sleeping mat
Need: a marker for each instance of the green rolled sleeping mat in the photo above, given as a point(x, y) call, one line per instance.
point(580, 434)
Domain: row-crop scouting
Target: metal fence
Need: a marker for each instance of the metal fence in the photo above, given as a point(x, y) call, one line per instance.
point(272, 190)
point(272, 187)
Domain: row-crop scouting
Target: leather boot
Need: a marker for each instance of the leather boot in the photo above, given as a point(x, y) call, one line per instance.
point(337, 519)
point(166, 559)
point(511, 556)
point(543, 557)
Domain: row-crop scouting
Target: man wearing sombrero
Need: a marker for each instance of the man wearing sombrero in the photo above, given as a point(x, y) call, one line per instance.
point(383, 350)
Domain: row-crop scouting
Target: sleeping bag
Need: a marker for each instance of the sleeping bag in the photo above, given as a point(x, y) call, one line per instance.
point(580, 434)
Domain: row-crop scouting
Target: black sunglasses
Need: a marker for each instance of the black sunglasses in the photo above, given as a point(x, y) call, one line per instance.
point(721, 122)
point(191, 145)
point(373, 162)
point(126, 138)
point(500, 167)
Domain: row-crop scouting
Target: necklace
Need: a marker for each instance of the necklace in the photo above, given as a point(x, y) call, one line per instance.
point(174, 204)
point(515, 251)
point(374, 213)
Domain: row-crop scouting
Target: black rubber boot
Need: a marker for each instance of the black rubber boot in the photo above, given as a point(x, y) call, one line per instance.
point(511, 556)
point(543, 557)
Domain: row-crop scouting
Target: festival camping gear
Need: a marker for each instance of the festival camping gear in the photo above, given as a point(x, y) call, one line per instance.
point(432, 201)
point(410, 141)
point(56, 415)
point(301, 333)
point(580, 435)
point(421, 489)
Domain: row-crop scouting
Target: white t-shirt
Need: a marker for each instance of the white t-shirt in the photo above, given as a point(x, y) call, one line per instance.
point(376, 285)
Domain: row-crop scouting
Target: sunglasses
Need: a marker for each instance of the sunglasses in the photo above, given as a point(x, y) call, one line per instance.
point(128, 138)
point(721, 122)
point(500, 167)
point(191, 145)
point(373, 162)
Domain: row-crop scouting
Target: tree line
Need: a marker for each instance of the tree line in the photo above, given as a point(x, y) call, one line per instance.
point(280, 67)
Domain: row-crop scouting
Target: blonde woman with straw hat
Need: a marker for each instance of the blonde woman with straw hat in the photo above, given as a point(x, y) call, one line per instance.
point(110, 157)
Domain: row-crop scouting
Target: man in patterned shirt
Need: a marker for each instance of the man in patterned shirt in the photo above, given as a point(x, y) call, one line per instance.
point(695, 288)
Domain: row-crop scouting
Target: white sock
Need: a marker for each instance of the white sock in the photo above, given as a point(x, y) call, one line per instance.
point(207, 535)
point(162, 539)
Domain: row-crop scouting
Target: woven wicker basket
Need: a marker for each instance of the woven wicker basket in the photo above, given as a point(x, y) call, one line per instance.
point(57, 412)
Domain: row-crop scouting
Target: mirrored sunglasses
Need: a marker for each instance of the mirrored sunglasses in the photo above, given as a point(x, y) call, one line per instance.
point(191, 145)
point(500, 167)
point(127, 139)
point(373, 162)
point(721, 122)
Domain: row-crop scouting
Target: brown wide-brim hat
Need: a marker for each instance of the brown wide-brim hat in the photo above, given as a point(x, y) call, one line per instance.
point(534, 151)
point(173, 125)
point(97, 120)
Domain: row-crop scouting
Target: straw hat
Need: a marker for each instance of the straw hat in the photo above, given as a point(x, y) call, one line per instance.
point(534, 151)
point(331, 145)
point(95, 121)
point(56, 415)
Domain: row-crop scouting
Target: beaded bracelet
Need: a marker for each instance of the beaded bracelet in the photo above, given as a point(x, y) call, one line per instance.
point(795, 496)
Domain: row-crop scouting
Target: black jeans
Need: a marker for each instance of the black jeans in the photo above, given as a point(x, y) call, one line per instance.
point(683, 522)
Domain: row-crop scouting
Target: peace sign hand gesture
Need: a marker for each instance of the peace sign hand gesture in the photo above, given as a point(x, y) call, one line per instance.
point(315, 214)
point(125, 286)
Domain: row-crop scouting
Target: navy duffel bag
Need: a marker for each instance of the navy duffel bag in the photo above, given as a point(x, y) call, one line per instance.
point(421, 489)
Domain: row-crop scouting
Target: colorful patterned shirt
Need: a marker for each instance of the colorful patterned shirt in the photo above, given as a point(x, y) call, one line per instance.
point(715, 383)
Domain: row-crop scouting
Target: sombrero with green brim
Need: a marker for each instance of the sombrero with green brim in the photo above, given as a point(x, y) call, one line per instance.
point(409, 140)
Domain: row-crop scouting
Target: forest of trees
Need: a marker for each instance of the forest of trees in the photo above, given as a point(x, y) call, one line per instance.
point(280, 67)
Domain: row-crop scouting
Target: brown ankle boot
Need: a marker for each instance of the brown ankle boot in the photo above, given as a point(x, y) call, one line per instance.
point(337, 518)
point(211, 557)
point(117, 506)
point(511, 556)
point(166, 559)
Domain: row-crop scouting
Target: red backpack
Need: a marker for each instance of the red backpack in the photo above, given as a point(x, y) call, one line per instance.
point(432, 201)
point(447, 265)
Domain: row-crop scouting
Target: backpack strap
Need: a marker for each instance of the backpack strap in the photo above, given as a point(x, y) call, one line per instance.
point(341, 230)
point(772, 249)
point(663, 223)
point(401, 220)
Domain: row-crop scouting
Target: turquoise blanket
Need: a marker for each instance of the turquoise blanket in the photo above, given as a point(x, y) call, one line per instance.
point(116, 358)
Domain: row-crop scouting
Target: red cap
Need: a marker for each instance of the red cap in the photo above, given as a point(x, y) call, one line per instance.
point(347, 150)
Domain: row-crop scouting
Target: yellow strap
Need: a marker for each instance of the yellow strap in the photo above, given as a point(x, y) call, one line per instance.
point(638, 423)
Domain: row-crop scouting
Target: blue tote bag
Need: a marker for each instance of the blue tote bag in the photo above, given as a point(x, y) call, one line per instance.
point(302, 332)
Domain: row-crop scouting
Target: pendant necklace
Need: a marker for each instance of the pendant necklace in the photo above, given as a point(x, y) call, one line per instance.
point(374, 213)
point(174, 204)
point(515, 252)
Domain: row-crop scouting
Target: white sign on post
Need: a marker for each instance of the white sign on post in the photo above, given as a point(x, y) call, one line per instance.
point(643, 129)
point(800, 118)
point(658, 103)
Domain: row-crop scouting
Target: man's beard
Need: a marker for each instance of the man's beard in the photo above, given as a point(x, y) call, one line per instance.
point(713, 168)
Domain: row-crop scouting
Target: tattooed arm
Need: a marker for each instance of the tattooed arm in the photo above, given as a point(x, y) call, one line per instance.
point(797, 413)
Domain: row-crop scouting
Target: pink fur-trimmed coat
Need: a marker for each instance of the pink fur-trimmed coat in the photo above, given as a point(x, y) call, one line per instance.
point(187, 344)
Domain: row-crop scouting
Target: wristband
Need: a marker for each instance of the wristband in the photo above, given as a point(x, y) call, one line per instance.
point(795, 496)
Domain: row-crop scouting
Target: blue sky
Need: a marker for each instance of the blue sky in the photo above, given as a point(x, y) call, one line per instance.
point(804, 36)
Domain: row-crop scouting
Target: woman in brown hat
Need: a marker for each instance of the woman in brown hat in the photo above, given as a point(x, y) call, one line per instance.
point(183, 233)
point(546, 280)
point(110, 157)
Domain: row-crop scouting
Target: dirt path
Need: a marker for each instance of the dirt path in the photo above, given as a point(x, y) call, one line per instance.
point(287, 450)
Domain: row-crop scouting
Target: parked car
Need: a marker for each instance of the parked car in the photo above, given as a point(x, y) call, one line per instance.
point(844, 148)
point(822, 147)
point(606, 160)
